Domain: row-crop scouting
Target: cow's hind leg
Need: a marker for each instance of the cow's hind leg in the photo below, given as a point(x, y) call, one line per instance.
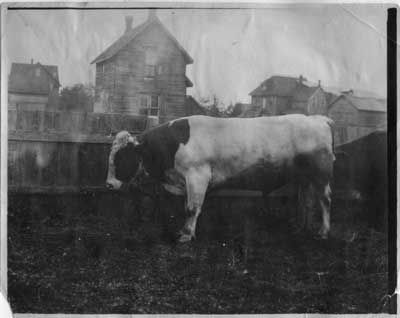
point(196, 186)
point(324, 201)
point(305, 197)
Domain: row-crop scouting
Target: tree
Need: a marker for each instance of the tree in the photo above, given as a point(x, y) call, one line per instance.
point(79, 97)
point(211, 106)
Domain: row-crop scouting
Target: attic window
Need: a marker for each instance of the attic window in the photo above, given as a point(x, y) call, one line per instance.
point(37, 72)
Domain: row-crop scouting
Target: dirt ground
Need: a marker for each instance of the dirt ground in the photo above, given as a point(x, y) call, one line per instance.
point(245, 259)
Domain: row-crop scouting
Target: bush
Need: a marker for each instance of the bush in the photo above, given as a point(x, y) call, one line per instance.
point(79, 97)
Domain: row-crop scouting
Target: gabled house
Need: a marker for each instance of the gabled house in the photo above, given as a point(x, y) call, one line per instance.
point(143, 72)
point(356, 116)
point(280, 95)
point(33, 86)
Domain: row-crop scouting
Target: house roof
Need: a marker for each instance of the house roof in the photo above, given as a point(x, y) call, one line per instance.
point(330, 97)
point(193, 107)
point(302, 93)
point(131, 34)
point(277, 86)
point(188, 82)
point(368, 103)
point(24, 78)
point(365, 103)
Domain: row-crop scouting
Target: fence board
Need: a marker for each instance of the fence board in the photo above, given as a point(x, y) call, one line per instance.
point(49, 165)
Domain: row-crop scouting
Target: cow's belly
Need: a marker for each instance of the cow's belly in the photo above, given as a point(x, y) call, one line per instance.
point(256, 177)
point(265, 177)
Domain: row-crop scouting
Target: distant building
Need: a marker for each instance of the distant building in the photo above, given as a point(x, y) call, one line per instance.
point(279, 95)
point(33, 86)
point(355, 117)
point(143, 72)
point(239, 108)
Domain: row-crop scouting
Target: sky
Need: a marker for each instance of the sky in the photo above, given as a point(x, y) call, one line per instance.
point(343, 46)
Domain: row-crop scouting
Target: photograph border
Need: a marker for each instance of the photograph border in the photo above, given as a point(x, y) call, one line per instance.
point(392, 119)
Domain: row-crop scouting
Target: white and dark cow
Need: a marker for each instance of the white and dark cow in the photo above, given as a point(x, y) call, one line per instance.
point(195, 154)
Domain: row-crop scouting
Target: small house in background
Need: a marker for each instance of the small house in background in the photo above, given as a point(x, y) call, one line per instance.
point(356, 117)
point(33, 86)
point(143, 73)
point(240, 108)
point(279, 95)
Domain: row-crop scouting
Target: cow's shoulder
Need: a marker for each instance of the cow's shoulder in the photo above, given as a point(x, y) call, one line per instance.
point(171, 133)
point(161, 143)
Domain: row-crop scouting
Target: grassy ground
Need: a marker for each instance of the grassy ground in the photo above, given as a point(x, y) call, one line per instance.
point(244, 260)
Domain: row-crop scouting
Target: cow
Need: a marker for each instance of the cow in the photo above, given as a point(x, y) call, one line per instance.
point(360, 172)
point(193, 155)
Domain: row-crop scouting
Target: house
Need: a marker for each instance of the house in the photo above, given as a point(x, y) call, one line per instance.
point(356, 116)
point(33, 86)
point(143, 72)
point(240, 108)
point(280, 95)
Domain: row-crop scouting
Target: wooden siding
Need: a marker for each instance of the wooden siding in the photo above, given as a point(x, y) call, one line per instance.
point(272, 105)
point(118, 89)
point(343, 113)
point(317, 104)
point(27, 100)
point(351, 123)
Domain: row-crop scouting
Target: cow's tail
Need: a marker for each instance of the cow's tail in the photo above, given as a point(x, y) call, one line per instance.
point(330, 122)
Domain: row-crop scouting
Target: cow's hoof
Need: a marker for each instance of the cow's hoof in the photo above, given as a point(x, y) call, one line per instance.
point(184, 238)
point(323, 234)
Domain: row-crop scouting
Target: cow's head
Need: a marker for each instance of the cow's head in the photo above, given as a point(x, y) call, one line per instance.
point(124, 162)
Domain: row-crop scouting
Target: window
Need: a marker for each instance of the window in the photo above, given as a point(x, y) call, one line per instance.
point(149, 105)
point(257, 101)
point(150, 63)
point(37, 72)
point(150, 70)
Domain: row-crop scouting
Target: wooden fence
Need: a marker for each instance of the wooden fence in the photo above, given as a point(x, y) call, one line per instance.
point(67, 152)
point(57, 152)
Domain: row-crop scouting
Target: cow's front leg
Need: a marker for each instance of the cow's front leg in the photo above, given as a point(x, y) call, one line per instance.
point(197, 180)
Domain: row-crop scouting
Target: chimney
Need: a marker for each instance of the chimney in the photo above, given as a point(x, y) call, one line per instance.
point(152, 14)
point(31, 61)
point(128, 23)
point(319, 83)
point(301, 79)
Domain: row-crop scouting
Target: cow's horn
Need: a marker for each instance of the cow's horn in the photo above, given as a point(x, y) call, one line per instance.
point(133, 140)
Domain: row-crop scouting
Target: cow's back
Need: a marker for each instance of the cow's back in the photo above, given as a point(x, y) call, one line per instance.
point(272, 138)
